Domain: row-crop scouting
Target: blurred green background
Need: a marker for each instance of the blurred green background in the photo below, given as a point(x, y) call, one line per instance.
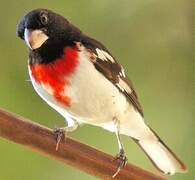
point(152, 39)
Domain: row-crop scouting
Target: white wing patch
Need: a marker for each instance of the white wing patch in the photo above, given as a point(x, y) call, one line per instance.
point(122, 72)
point(123, 86)
point(103, 55)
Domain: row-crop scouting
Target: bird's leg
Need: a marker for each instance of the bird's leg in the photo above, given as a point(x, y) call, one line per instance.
point(60, 133)
point(121, 158)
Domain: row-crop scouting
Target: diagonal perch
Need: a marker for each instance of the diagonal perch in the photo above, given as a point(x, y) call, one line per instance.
point(41, 139)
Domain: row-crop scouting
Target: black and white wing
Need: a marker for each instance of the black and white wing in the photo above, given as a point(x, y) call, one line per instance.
point(105, 63)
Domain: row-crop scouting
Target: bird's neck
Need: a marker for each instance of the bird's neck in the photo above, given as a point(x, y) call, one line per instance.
point(48, 52)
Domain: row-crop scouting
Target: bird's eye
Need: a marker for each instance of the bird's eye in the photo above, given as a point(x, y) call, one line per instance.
point(43, 19)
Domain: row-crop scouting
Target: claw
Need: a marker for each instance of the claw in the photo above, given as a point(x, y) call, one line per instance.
point(59, 135)
point(122, 161)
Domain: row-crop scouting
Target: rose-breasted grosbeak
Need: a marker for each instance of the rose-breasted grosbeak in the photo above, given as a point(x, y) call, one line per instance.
point(78, 77)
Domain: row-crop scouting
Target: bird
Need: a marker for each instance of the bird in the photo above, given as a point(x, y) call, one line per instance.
point(79, 78)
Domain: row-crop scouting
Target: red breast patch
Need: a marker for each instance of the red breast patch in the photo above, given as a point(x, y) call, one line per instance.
point(55, 74)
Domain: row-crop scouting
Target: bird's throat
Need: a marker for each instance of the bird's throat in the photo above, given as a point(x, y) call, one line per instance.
point(53, 77)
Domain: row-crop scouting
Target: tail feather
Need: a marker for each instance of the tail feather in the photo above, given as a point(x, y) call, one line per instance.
point(161, 156)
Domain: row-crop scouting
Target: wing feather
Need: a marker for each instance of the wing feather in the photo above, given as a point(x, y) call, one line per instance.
point(106, 64)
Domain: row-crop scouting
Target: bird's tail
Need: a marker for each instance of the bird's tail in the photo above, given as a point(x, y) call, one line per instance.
point(161, 156)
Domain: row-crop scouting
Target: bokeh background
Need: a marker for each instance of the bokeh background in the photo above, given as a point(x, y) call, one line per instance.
point(152, 39)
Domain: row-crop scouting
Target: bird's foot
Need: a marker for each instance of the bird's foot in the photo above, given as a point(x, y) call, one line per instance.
point(60, 134)
point(122, 161)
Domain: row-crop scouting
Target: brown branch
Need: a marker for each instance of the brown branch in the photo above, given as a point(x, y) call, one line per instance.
point(71, 152)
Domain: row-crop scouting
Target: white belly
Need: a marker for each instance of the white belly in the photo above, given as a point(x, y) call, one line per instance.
point(95, 100)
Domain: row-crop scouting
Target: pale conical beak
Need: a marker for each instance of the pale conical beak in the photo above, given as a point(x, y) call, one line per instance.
point(34, 38)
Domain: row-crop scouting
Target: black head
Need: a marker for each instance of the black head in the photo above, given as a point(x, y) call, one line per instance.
point(41, 25)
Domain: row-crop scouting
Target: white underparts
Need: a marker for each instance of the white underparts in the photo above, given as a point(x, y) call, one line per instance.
point(95, 100)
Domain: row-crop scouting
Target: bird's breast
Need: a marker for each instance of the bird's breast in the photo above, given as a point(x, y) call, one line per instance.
point(53, 77)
